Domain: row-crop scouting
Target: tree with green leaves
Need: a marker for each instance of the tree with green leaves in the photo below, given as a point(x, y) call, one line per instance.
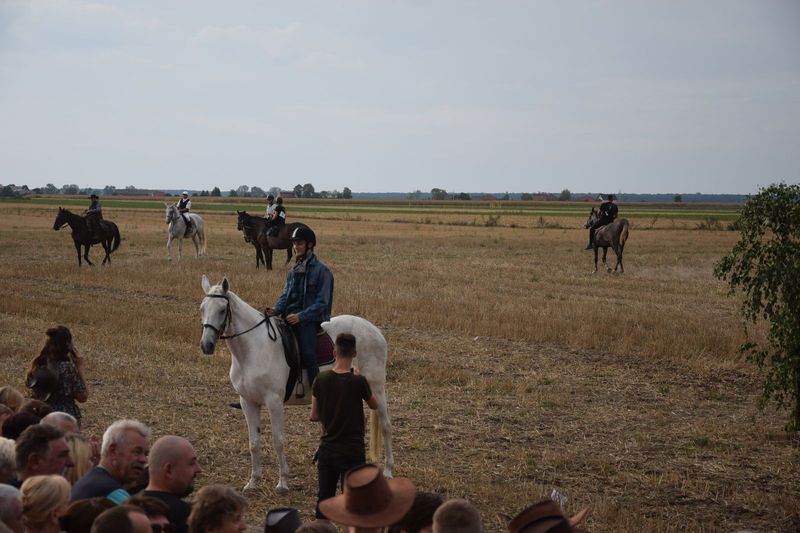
point(765, 267)
point(298, 191)
point(347, 194)
point(565, 196)
point(438, 194)
point(216, 192)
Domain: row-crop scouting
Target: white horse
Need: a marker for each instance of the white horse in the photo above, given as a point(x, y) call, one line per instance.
point(259, 371)
point(177, 230)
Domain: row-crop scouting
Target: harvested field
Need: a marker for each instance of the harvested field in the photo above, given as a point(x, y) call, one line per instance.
point(512, 370)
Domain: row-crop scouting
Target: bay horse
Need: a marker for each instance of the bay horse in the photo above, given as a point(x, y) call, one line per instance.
point(177, 230)
point(259, 371)
point(614, 235)
point(81, 236)
point(254, 230)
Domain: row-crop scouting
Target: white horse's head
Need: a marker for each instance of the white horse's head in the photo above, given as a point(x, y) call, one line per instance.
point(169, 212)
point(215, 312)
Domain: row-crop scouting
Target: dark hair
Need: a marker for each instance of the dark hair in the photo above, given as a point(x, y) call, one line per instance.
point(115, 520)
point(610, 197)
point(212, 505)
point(421, 513)
point(56, 348)
point(346, 345)
point(270, 197)
point(80, 515)
point(151, 506)
point(36, 407)
point(279, 200)
point(35, 439)
point(17, 423)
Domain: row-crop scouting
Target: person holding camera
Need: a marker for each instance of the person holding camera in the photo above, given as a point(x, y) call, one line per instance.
point(56, 375)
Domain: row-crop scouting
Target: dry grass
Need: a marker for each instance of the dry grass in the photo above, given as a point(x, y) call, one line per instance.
point(512, 370)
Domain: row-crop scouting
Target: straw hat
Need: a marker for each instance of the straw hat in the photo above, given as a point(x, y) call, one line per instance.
point(369, 499)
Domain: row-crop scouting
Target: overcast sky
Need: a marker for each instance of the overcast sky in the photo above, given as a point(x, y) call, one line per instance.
point(631, 96)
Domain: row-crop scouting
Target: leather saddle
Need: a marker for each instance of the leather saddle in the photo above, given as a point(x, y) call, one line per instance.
point(291, 352)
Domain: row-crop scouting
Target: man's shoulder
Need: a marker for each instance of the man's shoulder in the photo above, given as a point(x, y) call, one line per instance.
point(96, 482)
point(170, 499)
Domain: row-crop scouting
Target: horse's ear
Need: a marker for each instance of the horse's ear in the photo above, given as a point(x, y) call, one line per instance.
point(206, 284)
point(225, 284)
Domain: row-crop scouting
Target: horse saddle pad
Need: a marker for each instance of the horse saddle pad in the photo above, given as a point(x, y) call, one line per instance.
point(324, 350)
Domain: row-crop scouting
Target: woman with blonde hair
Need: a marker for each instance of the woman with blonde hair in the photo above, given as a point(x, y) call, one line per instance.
point(81, 453)
point(11, 397)
point(44, 500)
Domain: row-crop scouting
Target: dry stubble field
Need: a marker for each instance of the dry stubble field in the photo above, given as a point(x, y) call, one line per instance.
point(512, 370)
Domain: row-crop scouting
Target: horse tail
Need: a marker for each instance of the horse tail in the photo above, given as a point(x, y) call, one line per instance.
point(623, 235)
point(375, 436)
point(117, 238)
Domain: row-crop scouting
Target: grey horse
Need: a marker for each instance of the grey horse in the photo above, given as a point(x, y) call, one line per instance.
point(614, 235)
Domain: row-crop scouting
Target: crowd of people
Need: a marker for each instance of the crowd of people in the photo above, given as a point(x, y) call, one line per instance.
point(54, 478)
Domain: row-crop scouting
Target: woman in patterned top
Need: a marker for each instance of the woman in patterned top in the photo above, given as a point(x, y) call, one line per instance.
point(61, 364)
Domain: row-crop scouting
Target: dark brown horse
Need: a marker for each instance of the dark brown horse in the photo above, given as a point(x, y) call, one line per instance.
point(109, 234)
point(254, 229)
point(614, 235)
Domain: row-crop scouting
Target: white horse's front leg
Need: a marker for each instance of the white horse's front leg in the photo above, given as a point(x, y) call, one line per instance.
point(252, 415)
point(169, 247)
point(180, 248)
point(275, 406)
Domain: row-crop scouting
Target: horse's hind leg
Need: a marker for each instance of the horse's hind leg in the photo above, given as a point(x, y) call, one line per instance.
point(386, 431)
point(252, 415)
point(78, 249)
point(275, 406)
point(196, 246)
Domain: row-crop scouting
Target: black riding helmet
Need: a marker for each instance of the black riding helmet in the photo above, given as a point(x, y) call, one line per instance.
point(303, 233)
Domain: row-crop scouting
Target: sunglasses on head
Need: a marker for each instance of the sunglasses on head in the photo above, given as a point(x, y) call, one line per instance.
point(162, 528)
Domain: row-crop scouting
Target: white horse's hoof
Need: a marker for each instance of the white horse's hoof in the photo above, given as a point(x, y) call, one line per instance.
point(387, 473)
point(251, 485)
point(281, 489)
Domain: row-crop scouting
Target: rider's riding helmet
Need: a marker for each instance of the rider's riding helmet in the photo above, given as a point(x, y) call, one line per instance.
point(303, 233)
point(279, 200)
point(270, 197)
point(94, 197)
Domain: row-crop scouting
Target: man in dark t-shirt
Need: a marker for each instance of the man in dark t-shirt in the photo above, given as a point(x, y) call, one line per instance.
point(336, 402)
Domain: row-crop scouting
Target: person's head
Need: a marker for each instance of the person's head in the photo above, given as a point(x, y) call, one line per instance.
point(419, 518)
point(122, 519)
point(173, 466)
point(11, 508)
point(157, 513)
point(44, 500)
point(345, 345)
point(64, 421)
point(17, 423)
point(610, 197)
point(217, 509)
point(81, 514)
point(303, 241)
point(8, 460)
point(317, 526)
point(5, 412)
point(279, 201)
point(42, 450)
point(36, 407)
point(58, 343)
point(370, 501)
point(457, 516)
point(81, 454)
point(11, 397)
point(124, 450)
point(270, 198)
point(185, 194)
point(94, 197)
point(282, 520)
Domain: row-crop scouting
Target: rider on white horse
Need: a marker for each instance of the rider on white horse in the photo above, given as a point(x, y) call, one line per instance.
point(184, 205)
point(307, 297)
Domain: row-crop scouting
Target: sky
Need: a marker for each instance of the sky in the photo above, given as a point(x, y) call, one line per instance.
point(393, 96)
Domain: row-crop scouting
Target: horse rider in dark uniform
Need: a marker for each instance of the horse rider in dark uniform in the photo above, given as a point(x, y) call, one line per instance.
point(608, 212)
point(94, 214)
point(184, 205)
point(278, 218)
point(307, 297)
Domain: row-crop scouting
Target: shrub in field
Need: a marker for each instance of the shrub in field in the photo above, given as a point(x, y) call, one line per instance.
point(711, 224)
point(765, 267)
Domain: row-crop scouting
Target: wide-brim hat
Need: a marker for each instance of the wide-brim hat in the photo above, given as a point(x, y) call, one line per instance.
point(282, 520)
point(369, 499)
point(544, 516)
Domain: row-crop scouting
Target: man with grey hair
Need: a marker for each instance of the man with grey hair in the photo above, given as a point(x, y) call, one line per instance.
point(11, 508)
point(173, 468)
point(41, 450)
point(64, 421)
point(123, 455)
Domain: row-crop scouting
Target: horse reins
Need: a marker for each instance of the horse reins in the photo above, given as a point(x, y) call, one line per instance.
point(271, 333)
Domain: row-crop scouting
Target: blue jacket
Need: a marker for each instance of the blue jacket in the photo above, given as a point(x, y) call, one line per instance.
point(317, 293)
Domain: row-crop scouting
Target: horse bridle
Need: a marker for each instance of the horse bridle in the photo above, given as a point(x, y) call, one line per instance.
point(271, 333)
